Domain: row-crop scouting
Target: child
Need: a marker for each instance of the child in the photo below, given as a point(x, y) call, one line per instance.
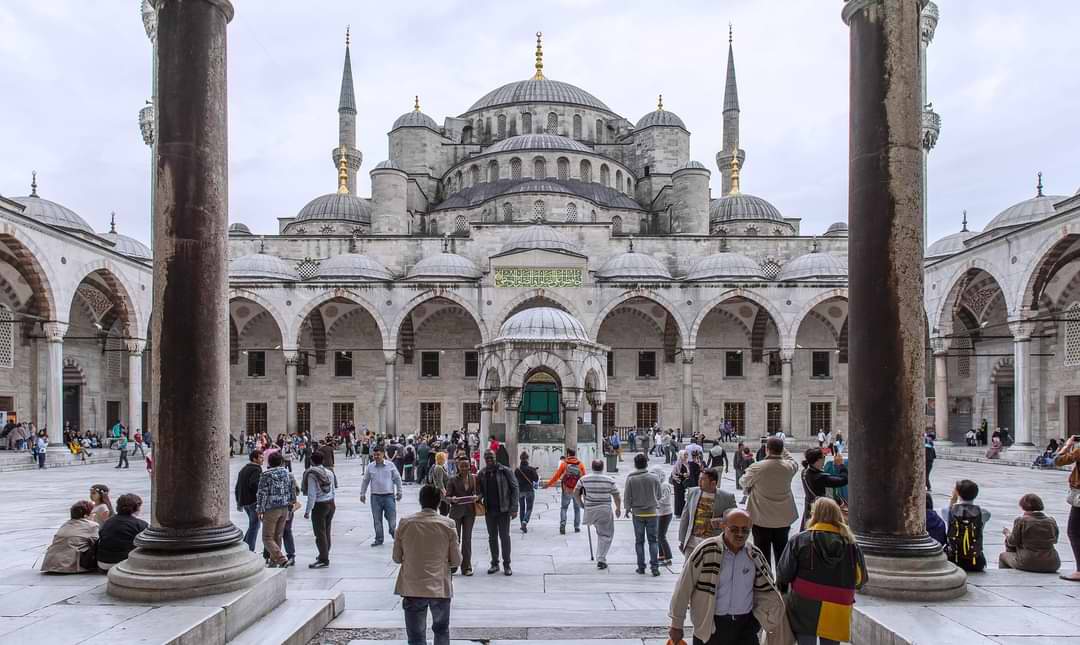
point(965, 522)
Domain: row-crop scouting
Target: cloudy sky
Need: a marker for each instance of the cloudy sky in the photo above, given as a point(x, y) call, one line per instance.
point(1003, 75)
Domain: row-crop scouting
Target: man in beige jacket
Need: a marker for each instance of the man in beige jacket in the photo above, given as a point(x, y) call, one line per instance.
point(426, 547)
point(770, 501)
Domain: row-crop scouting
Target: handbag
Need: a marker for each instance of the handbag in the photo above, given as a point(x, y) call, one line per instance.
point(478, 506)
point(1074, 497)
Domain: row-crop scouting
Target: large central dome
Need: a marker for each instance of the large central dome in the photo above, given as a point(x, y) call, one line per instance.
point(543, 90)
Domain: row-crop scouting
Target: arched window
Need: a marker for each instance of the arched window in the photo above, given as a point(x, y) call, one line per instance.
point(433, 227)
point(577, 126)
point(599, 131)
point(592, 217)
point(466, 134)
point(643, 226)
point(605, 175)
point(616, 225)
point(1072, 334)
point(512, 131)
point(564, 168)
point(553, 123)
point(508, 212)
point(629, 186)
point(502, 126)
point(585, 171)
point(515, 168)
point(539, 168)
point(539, 210)
point(526, 123)
point(493, 170)
point(7, 338)
point(751, 230)
point(571, 212)
point(618, 180)
point(487, 129)
point(459, 181)
point(474, 175)
point(461, 225)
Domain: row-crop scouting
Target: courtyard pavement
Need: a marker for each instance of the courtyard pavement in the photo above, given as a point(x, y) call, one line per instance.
point(556, 592)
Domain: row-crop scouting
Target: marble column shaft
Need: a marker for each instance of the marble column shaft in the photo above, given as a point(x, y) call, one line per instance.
point(391, 392)
point(941, 396)
point(785, 394)
point(292, 360)
point(570, 425)
point(54, 381)
point(688, 391)
point(511, 411)
point(1022, 397)
point(135, 385)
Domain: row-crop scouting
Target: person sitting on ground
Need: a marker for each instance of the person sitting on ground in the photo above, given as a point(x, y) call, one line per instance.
point(117, 536)
point(965, 522)
point(72, 548)
point(103, 506)
point(1030, 544)
point(935, 526)
point(705, 506)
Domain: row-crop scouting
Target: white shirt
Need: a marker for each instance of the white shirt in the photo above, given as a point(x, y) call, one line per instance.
point(735, 586)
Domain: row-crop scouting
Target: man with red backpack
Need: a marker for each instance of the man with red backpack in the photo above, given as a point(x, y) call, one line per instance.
point(570, 471)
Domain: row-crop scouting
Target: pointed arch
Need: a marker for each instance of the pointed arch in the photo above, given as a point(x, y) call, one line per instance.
point(434, 294)
point(126, 308)
point(955, 284)
point(539, 361)
point(647, 294)
point(793, 330)
point(746, 294)
point(544, 298)
point(35, 267)
point(1052, 255)
point(328, 295)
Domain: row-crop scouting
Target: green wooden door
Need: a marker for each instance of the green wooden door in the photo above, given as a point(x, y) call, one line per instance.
point(540, 402)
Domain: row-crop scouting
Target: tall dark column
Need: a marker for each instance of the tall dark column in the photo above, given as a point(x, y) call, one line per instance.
point(886, 315)
point(191, 547)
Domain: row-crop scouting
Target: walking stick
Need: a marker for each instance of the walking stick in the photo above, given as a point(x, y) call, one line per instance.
point(588, 531)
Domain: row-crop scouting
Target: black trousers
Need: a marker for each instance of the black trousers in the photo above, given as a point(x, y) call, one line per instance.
point(322, 519)
point(1074, 533)
point(771, 541)
point(498, 528)
point(464, 527)
point(733, 630)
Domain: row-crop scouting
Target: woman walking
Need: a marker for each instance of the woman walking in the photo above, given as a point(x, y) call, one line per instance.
point(439, 477)
point(527, 478)
point(680, 474)
point(462, 492)
point(665, 512)
point(1070, 454)
point(824, 567)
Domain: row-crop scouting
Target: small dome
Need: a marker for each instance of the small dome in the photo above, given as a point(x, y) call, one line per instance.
point(950, 244)
point(53, 214)
point(633, 266)
point(543, 323)
point(415, 119)
point(837, 229)
point(1028, 211)
point(740, 206)
point(392, 165)
point(353, 266)
point(814, 266)
point(694, 165)
point(540, 236)
point(725, 265)
point(662, 118)
point(239, 229)
point(537, 142)
point(336, 206)
point(444, 266)
point(261, 266)
point(538, 90)
point(128, 246)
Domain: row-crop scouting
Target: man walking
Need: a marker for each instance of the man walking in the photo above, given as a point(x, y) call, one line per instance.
point(770, 501)
point(385, 482)
point(426, 547)
point(595, 492)
point(729, 588)
point(641, 494)
point(499, 492)
point(569, 472)
point(122, 446)
point(275, 498)
point(319, 483)
point(247, 492)
point(704, 510)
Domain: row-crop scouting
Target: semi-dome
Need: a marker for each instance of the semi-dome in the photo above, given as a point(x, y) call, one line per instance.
point(53, 214)
point(633, 266)
point(661, 118)
point(694, 165)
point(415, 119)
point(950, 244)
point(239, 229)
point(534, 90)
point(540, 236)
point(261, 266)
point(353, 266)
point(543, 323)
point(837, 229)
point(814, 266)
point(723, 266)
point(537, 142)
point(1028, 211)
point(444, 266)
point(388, 165)
point(743, 206)
point(128, 246)
point(336, 206)
point(594, 192)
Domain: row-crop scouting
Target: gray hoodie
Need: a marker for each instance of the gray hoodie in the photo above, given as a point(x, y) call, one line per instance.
point(641, 494)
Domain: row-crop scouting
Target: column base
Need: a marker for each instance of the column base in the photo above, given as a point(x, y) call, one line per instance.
point(154, 576)
point(924, 578)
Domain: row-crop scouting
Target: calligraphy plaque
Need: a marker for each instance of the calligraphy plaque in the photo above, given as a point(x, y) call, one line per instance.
point(537, 277)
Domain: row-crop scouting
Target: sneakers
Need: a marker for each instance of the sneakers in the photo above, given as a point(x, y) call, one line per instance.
point(291, 561)
point(577, 529)
point(466, 572)
point(376, 544)
point(601, 565)
point(493, 569)
point(562, 529)
point(318, 564)
point(507, 571)
point(524, 528)
point(641, 571)
point(656, 573)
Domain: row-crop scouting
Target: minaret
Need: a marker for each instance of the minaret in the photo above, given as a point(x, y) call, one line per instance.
point(730, 147)
point(347, 122)
point(931, 121)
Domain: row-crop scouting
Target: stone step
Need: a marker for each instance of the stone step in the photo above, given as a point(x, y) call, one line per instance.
point(294, 622)
point(58, 457)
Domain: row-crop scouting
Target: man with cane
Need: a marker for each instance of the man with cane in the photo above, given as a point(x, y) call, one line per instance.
point(595, 492)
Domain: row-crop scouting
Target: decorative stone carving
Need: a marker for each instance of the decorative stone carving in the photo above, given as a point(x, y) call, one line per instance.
point(149, 20)
point(146, 123)
point(537, 278)
point(931, 127)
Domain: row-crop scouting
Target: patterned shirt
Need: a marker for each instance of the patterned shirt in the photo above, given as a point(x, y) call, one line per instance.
point(599, 490)
point(703, 515)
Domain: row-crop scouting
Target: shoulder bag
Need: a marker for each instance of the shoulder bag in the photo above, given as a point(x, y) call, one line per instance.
point(478, 506)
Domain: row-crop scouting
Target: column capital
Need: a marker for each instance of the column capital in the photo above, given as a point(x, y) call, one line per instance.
point(512, 397)
point(1021, 330)
point(292, 357)
point(852, 7)
point(487, 399)
point(55, 330)
point(939, 345)
point(390, 356)
point(787, 354)
point(688, 355)
point(571, 398)
point(597, 398)
point(134, 346)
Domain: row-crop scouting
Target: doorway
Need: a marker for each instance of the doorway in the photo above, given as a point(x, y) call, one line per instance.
point(1005, 408)
point(72, 406)
point(1072, 415)
point(112, 414)
point(540, 400)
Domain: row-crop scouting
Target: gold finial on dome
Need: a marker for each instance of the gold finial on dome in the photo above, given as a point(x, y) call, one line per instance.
point(416, 103)
point(734, 171)
point(660, 103)
point(33, 183)
point(539, 75)
point(343, 172)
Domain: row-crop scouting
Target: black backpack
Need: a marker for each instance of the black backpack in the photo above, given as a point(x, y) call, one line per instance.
point(964, 541)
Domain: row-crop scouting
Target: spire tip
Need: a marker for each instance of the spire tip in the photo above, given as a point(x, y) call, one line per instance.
point(539, 75)
point(660, 102)
point(1039, 185)
point(112, 222)
point(33, 183)
point(347, 39)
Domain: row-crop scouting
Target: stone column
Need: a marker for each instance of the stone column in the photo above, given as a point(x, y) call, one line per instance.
point(1021, 331)
point(484, 436)
point(390, 356)
point(135, 382)
point(54, 386)
point(786, 357)
point(513, 400)
point(688, 390)
point(598, 421)
point(191, 548)
point(292, 361)
point(941, 396)
point(570, 415)
point(886, 316)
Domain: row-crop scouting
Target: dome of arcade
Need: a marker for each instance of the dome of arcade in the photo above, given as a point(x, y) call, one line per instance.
point(950, 244)
point(388, 165)
point(694, 165)
point(479, 193)
point(660, 118)
point(261, 266)
point(633, 266)
point(837, 229)
point(238, 229)
point(336, 207)
point(543, 323)
point(415, 119)
point(814, 266)
point(725, 265)
point(537, 142)
point(1028, 211)
point(128, 246)
point(538, 90)
point(444, 266)
point(353, 266)
point(53, 214)
point(540, 236)
point(743, 206)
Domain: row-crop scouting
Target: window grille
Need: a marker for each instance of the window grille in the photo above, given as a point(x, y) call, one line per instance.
point(515, 168)
point(616, 225)
point(599, 131)
point(618, 180)
point(1072, 335)
point(461, 225)
point(539, 210)
point(307, 269)
point(429, 364)
point(493, 171)
point(526, 123)
point(820, 417)
point(735, 412)
point(539, 168)
point(474, 175)
point(609, 417)
point(508, 212)
point(430, 418)
point(585, 171)
point(552, 123)
point(502, 126)
point(327, 230)
point(563, 168)
point(820, 365)
point(646, 365)
point(571, 212)
point(470, 413)
point(605, 175)
point(577, 126)
point(256, 364)
point(7, 337)
point(303, 417)
point(340, 413)
point(963, 356)
point(770, 268)
point(773, 422)
point(255, 419)
point(647, 414)
point(472, 364)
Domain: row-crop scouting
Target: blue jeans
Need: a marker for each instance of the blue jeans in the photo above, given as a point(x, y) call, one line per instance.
point(567, 499)
point(252, 533)
point(646, 527)
point(416, 610)
point(525, 505)
point(383, 506)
